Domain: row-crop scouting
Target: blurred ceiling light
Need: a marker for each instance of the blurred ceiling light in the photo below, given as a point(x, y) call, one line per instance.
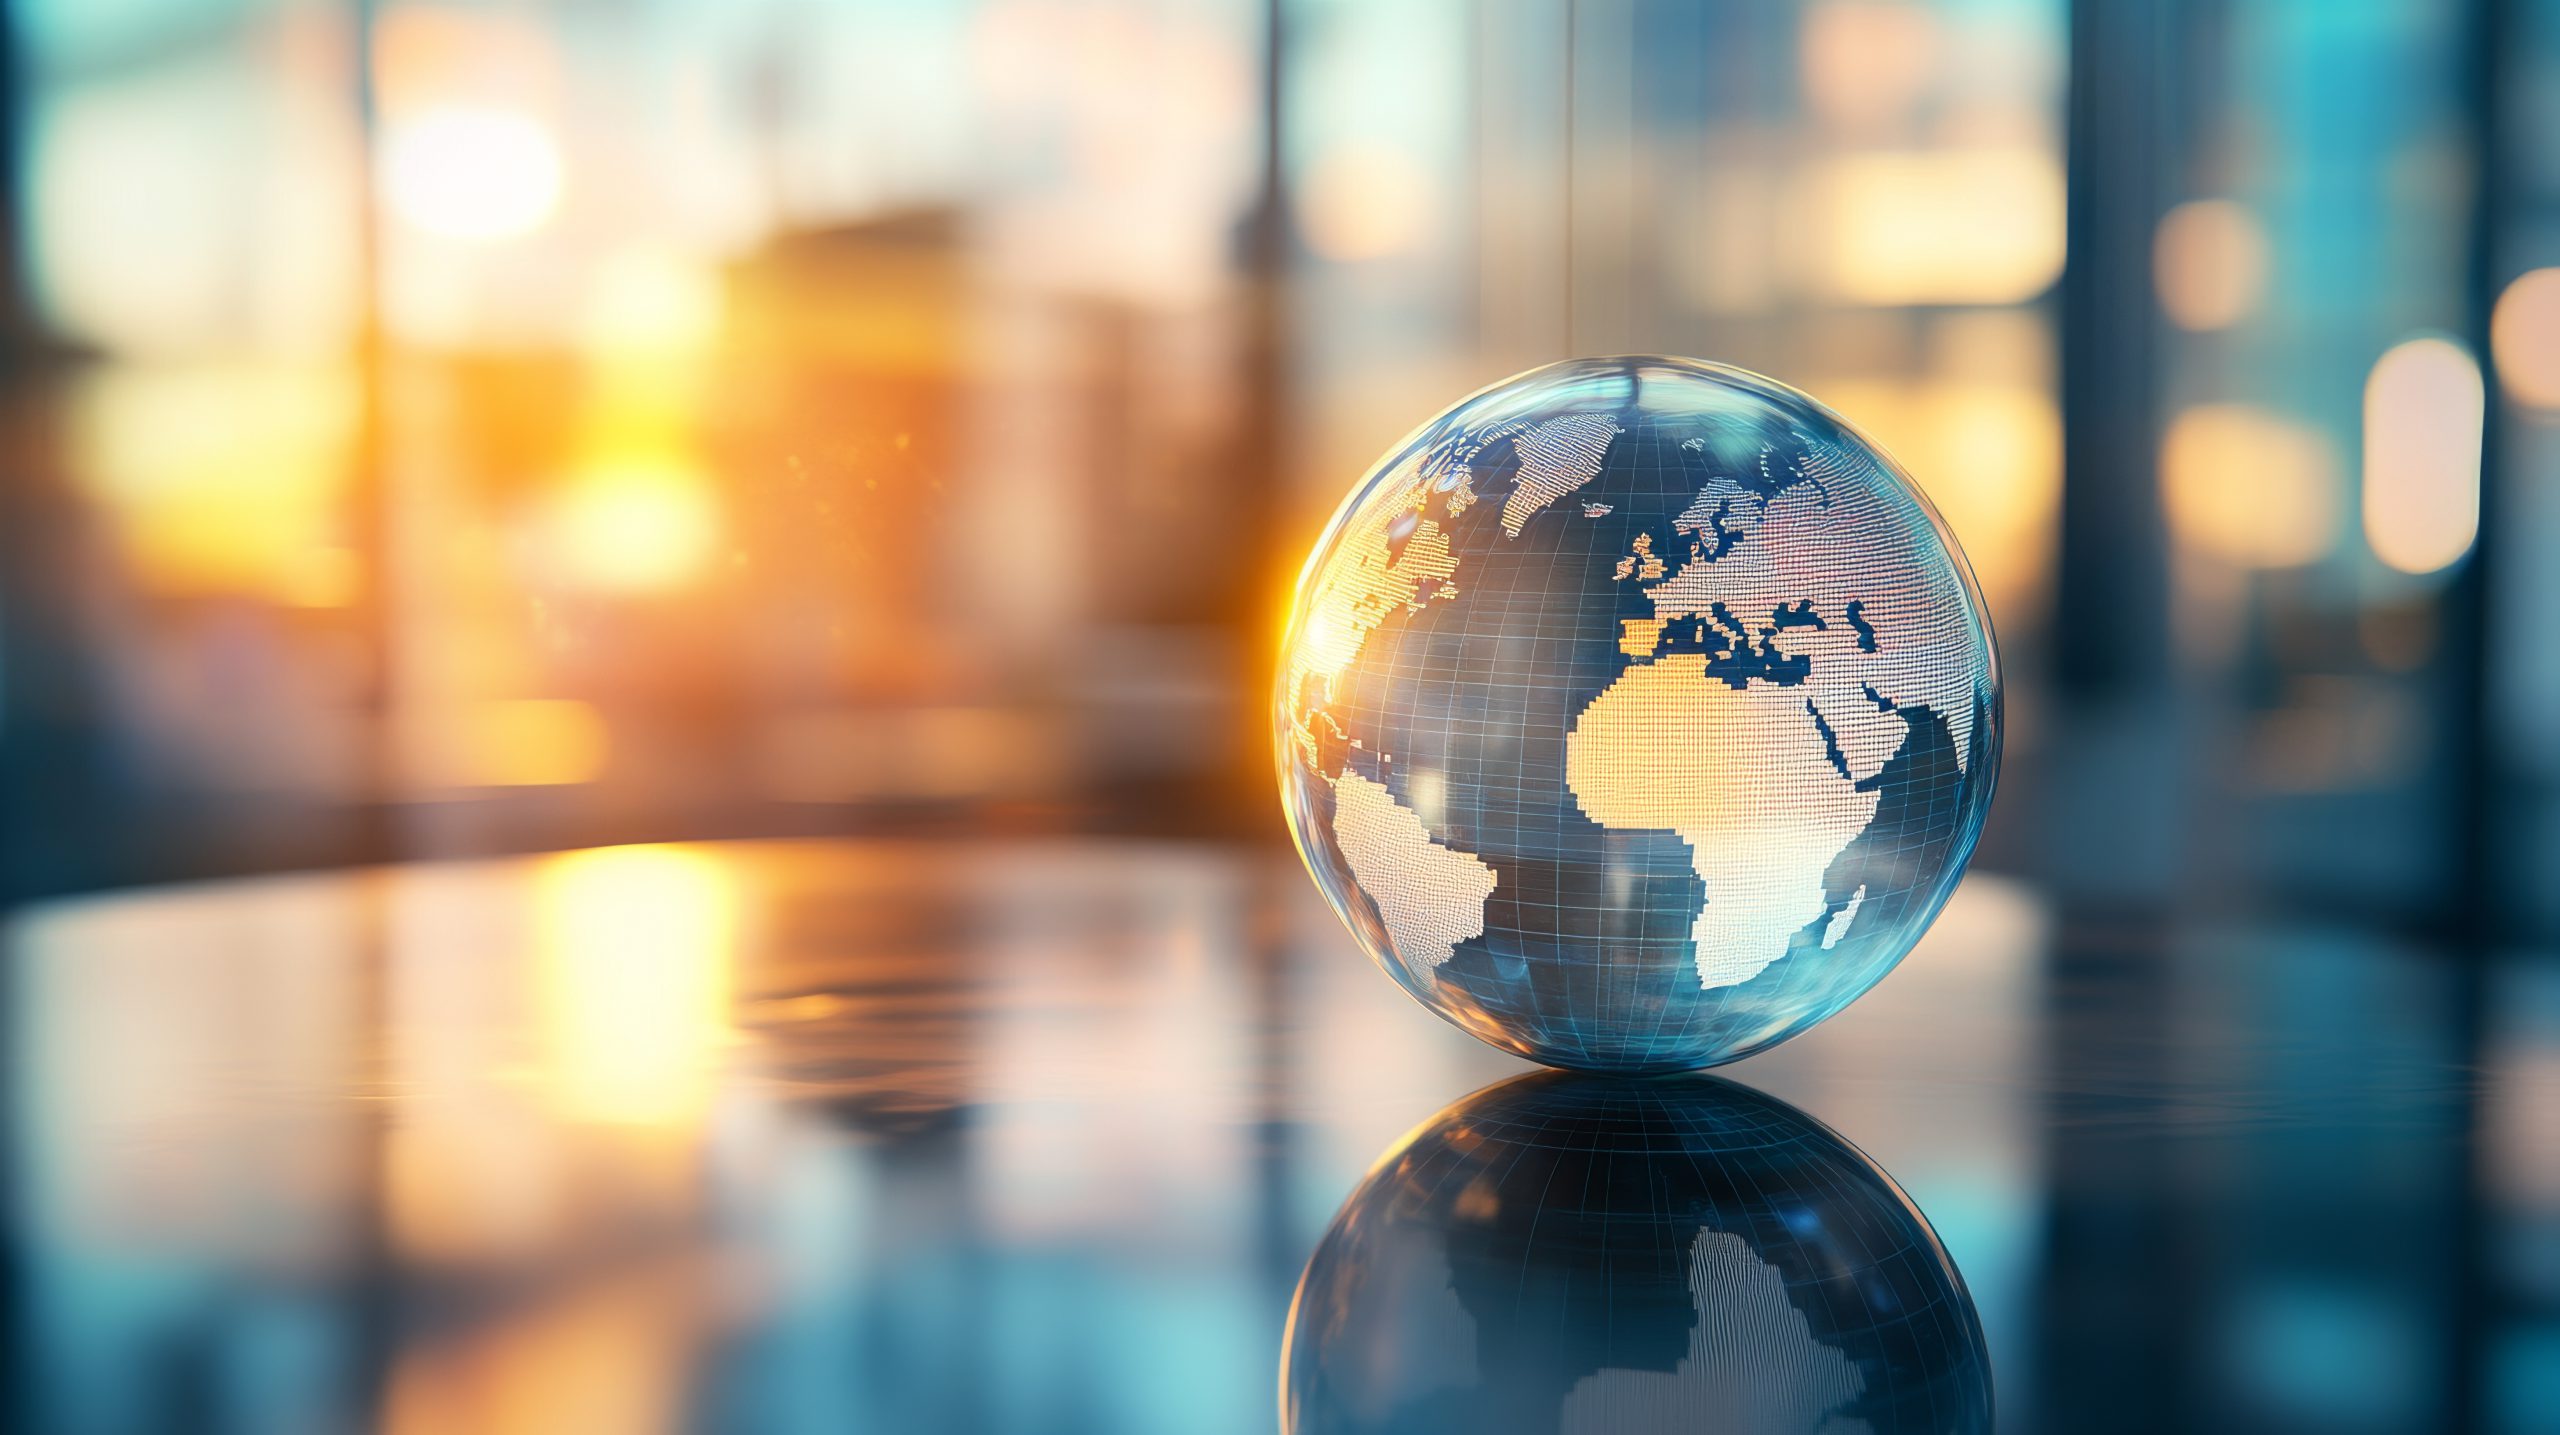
point(2524, 338)
point(1975, 226)
point(2423, 405)
point(470, 172)
point(1364, 201)
point(634, 526)
point(1866, 62)
point(635, 957)
point(2249, 487)
point(2209, 263)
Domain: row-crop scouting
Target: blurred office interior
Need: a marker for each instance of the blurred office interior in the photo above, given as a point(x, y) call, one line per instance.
point(455, 430)
point(449, 428)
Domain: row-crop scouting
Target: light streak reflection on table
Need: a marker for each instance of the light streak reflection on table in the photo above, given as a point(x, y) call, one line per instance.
point(827, 1136)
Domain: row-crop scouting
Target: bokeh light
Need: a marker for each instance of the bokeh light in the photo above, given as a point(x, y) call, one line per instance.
point(1907, 228)
point(2209, 261)
point(2249, 487)
point(2524, 338)
point(470, 172)
point(1988, 454)
point(2423, 405)
point(633, 526)
point(1365, 201)
point(223, 477)
point(536, 742)
point(1867, 62)
point(446, 429)
point(648, 303)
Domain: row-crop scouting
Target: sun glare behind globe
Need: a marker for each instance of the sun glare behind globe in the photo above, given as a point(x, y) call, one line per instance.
point(1637, 714)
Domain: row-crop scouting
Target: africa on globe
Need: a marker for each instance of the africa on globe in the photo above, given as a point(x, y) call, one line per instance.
point(1637, 714)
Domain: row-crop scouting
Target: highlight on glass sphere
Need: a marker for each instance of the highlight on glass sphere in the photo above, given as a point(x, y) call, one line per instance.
point(1637, 714)
point(1575, 1253)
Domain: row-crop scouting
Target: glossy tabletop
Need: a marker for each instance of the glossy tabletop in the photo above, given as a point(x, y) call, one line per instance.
point(1042, 1138)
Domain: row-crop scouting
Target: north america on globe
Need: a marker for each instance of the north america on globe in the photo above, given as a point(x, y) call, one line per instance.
point(1637, 713)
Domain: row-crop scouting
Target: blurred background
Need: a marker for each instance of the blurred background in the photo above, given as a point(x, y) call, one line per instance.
point(441, 431)
point(444, 428)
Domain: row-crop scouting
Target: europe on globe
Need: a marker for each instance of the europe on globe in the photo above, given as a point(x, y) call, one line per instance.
point(1637, 713)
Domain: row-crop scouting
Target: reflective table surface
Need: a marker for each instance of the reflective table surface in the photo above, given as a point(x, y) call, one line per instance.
point(1043, 1138)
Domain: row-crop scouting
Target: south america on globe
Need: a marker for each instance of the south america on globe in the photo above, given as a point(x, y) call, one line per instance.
point(1637, 714)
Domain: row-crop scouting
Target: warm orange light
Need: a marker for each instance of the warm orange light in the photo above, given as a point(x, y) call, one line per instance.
point(1989, 456)
point(2249, 487)
point(828, 755)
point(2423, 405)
point(633, 526)
point(1365, 201)
point(1969, 226)
point(607, 1353)
point(2524, 338)
point(222, 477)
point(470, 172)
point(328, 575)
point(2209, 263)
point(511, 742)
point(636, 949)
point(650, 303)
point(535, 742)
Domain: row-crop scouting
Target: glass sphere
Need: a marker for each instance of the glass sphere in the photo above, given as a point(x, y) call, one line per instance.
point(1637, 714)
point(1574, 1253)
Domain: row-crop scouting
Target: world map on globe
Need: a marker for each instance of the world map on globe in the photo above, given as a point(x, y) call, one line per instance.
point(1637, 713)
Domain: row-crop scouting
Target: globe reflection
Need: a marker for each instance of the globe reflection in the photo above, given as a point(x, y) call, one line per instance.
point(1570, 1253)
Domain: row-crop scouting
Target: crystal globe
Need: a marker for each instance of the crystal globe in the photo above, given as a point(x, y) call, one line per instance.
point(1637, 714)
point(1571, 1253)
